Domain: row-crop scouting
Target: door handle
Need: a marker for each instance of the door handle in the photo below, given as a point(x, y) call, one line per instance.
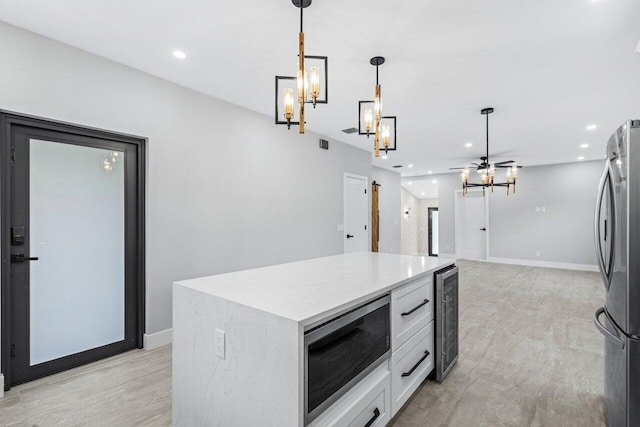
point(604, 331)
point(407, 374)
point(483, 229)
point(349, 236)
point(376, 414)
point(16, 258)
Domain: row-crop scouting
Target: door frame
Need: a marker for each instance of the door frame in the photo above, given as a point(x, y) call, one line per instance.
point(344, 208)
point(9, 119)
point(430, 229)
point(458, 224)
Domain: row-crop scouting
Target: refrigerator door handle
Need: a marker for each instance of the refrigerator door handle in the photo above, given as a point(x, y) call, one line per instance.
point(604, 184)
point(604, 331)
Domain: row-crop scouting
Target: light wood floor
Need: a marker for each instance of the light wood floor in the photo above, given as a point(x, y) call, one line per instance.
point(529, 356)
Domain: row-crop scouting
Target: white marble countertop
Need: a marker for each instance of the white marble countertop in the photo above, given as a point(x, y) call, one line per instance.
point(308, 291)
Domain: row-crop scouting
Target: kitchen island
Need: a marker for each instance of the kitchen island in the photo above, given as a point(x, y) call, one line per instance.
point(238, 338)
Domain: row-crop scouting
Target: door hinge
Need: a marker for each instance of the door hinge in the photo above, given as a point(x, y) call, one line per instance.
point(13, 155)
point(365, 191)
point(365, 227)
point(13, 351)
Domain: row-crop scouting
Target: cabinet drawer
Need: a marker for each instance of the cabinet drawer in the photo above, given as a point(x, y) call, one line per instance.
point(368, 402)
point(411, 310)
point(410, 366)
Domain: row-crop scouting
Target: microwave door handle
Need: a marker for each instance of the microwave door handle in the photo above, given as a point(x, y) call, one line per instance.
point(604, 331)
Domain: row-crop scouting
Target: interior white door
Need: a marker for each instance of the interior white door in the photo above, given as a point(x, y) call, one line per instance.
point(473, 225)
point(356, 218)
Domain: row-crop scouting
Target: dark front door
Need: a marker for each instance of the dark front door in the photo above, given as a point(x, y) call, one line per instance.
point(72, 283)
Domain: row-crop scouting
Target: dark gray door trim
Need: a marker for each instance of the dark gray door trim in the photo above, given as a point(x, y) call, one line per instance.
point(9, 120)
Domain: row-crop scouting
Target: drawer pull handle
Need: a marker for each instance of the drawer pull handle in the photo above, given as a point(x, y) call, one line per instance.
point(376, 414)
point(426, 354)
point(423, 303)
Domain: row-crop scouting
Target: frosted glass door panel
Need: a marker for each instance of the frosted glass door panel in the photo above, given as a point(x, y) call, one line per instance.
point(77, 231)
point(434, 233)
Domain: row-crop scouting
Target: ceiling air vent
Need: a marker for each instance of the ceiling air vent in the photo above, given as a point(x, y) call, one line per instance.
point(396, 166)
point(350, 130)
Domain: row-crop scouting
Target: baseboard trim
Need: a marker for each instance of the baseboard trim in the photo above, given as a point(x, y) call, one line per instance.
point(1, 385)
point(547, 264)
point(159, 339)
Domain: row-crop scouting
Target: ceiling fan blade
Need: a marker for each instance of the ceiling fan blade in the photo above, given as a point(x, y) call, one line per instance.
point(506, 166)
point(452, 169)
point(504, 162)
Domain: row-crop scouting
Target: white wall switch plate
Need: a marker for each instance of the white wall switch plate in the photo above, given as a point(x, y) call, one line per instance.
point(220, 343)
point(340, 227)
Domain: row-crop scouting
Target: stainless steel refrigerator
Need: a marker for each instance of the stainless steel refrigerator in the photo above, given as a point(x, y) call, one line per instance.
point(617, 233)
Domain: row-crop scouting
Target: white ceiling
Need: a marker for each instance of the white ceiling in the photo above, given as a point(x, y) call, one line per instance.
point(549, 67)
point(423, 188)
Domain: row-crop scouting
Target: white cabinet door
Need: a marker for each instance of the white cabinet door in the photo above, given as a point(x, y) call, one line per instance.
point(410, 366)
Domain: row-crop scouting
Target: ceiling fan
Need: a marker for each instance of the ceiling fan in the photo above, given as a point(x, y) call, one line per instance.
point(485, 164)
point(488, 169)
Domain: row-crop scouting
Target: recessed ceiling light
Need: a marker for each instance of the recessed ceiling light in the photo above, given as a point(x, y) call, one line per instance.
point(434, 181)
point(581, 158)
point(422, 194)
point(409, 166)
point(469, 144)
point(384, 157)
point(429, 172)
point(584, 145)
point(592, 127)
point(179, 54)
point(410, 183)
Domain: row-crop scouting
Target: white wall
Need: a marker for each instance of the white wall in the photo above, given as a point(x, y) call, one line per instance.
point(409, 229)
point(389, 207)
point(563, 234)
point(564, 231)
point(227, 189)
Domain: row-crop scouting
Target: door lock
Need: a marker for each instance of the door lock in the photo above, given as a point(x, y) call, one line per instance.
point(16, 258)
point(349, 236)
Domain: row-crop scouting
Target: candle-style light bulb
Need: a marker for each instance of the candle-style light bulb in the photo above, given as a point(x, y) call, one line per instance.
point(301, 84)
point(368, 120)
point(288, 105)
point(514, 171)
point(315, 84)
point(386, 136)
point(508, 175)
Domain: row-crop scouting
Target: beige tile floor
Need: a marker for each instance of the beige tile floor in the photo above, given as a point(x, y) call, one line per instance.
point(529, 356)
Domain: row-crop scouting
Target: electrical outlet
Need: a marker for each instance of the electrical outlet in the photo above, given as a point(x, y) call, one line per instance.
point(220, 343)
point(543, 209)
point(340, 227)
point(537, 208)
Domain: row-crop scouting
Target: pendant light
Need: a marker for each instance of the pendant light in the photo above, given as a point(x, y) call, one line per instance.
point(371, 120)
point(309, 86)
